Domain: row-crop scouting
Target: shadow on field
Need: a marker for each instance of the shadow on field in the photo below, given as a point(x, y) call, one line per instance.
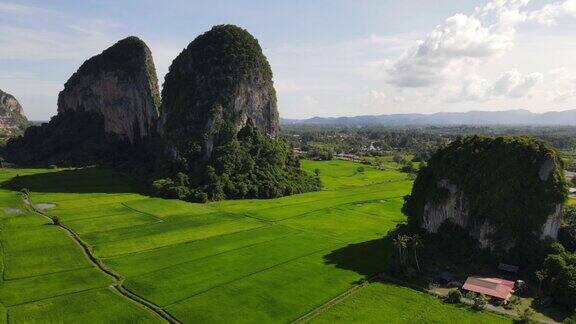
point(86, 180)
point(366, 258)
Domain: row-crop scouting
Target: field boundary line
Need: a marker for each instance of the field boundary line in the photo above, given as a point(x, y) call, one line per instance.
point(335, 301)
point(48, 273)
point(214, 255)
point(141, 212)
point(56, 296)
point(117, 278)
point(185, 242)
point(248, 275)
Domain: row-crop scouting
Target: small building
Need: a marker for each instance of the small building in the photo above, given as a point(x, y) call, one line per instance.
point(493, 287)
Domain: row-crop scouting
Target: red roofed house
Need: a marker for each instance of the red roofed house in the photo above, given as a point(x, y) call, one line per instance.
point(493, 287)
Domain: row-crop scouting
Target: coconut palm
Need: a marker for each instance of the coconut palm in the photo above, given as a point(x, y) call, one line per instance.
point(541, 275)
point(416, 243)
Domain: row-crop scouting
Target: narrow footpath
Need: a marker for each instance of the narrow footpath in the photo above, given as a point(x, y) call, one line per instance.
point(117, 278)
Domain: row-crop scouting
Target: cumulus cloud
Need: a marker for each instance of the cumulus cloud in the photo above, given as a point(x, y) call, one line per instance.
point(550, 13)
point(515, 85)
point(462, 41)
point(511, 84)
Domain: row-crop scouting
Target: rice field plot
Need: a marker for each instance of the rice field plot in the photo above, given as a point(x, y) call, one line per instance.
point(389, 303)
point(230, 261)
point(45, 276)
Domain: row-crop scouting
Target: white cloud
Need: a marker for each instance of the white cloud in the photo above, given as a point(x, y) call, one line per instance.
point(564, 85)
point(18, 9)
point(461, 43)
point(550, 13)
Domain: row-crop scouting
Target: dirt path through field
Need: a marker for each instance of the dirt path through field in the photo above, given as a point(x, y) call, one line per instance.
point(117, 278)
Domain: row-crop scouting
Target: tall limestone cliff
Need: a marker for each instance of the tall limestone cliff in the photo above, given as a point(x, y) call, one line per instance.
point(104, 111)
point(221, 80)
point(501, 190)
point(219, 124)
point(120, 84)
point(12, 117)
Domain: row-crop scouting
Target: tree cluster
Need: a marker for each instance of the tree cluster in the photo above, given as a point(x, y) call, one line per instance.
point(250, 165)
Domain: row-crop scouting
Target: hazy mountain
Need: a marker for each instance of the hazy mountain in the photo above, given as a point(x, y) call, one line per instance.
point(507, 117)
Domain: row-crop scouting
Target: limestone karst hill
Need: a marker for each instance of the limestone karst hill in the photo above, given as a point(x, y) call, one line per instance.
point(110, 103)
point(219, 123)
point(500, 189)
point(214, 136)
point(219, 83)
point(12, 118)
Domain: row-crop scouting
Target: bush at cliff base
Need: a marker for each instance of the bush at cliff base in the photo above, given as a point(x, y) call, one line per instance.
point(249, 165)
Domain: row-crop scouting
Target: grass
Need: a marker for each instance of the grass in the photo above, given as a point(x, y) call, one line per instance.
point(240, 261)
point(389, 303)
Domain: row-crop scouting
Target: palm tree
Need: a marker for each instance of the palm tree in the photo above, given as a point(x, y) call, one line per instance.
point(400, 242)
point(416, 243)
point(541, 275)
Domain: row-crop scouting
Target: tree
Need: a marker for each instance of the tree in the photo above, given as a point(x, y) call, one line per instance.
point(454, 296)
point(416, 243)
point(541, 275)
point(400, 242)
point(527, 316)
point(480, 302)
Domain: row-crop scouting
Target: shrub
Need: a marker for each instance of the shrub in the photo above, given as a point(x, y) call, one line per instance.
point(527, 316)
point(454, 296)
point(479, 302)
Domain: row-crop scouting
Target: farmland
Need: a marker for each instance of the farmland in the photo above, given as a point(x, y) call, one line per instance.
point(236, 260)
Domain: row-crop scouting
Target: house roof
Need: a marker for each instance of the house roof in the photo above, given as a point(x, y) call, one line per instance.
point(493, 287)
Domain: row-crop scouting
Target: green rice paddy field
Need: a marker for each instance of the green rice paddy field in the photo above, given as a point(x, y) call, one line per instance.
point(247, 261)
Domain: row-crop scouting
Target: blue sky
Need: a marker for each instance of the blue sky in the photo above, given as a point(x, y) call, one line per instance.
point(329, 58)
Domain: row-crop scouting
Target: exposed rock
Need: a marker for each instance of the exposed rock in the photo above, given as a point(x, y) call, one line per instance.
point(119, 84)
point(499, 189)
point(218, 84)
point(11, 113)
point(104, 111)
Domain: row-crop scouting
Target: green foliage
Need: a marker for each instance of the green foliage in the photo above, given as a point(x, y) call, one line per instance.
point(527, 316)
point(251, 165)
point(454, 296)
point(560, 276)
point(500, 179)
point(479, 302)
point(567, 232)
point(319, 153)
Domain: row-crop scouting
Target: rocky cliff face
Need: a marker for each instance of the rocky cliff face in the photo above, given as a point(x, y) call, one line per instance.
point(11, 113)
point(215, 87)
point(106, 107)
point(120, 84)
point(500, 190)
point(455, 209)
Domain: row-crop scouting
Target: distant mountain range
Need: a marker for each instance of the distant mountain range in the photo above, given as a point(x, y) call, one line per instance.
point(479, 118)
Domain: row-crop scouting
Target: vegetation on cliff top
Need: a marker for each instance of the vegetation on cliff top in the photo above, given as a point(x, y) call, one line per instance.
point(499, 177)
